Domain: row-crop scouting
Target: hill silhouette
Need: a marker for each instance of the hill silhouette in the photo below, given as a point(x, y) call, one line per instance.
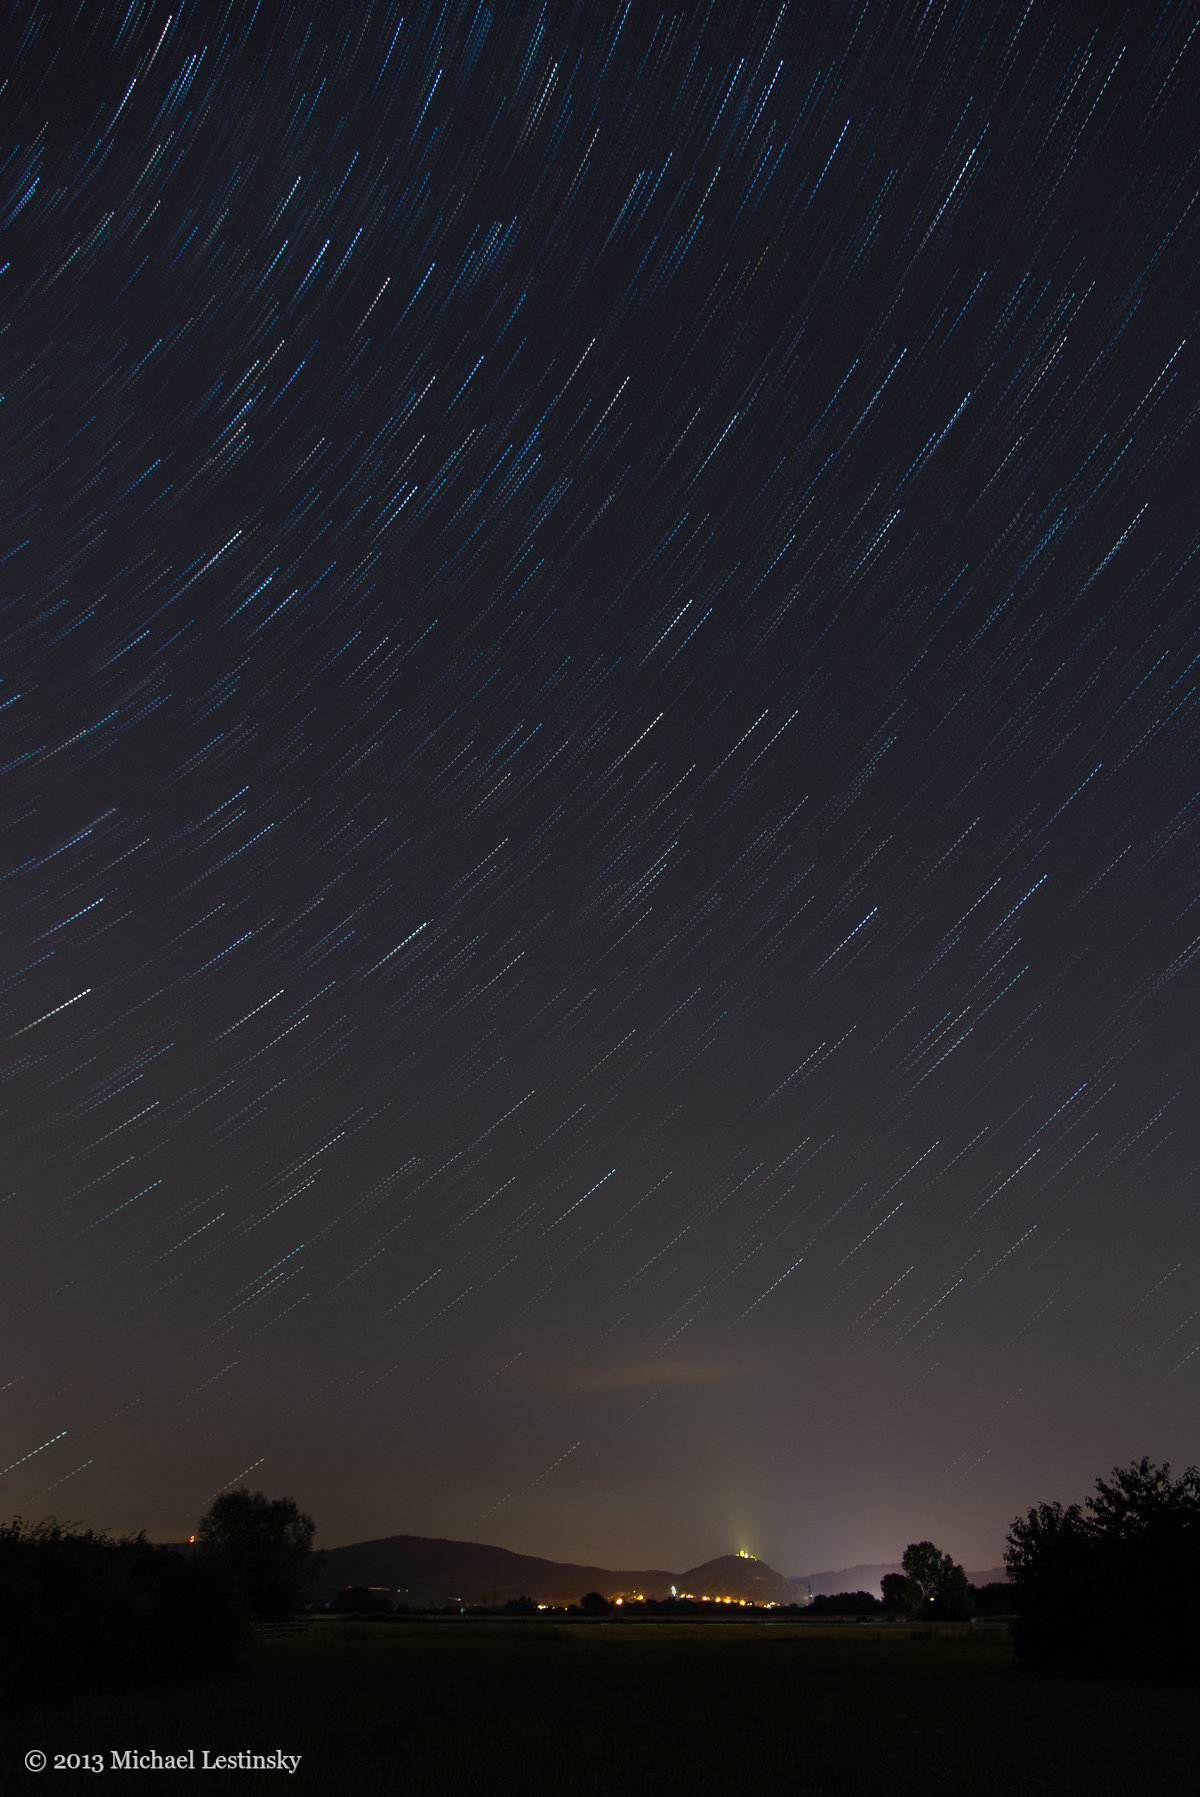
point(737, 1575)
point(419, 1569)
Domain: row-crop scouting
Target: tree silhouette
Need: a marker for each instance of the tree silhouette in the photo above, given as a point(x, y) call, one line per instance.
point(262, 1546)
point(896, 1594)
point(1112, 1586)
point(937, 1586)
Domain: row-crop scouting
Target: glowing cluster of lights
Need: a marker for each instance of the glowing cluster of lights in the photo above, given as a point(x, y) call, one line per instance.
point(704, 1598)
point(638, 1597)
point(691, 1596)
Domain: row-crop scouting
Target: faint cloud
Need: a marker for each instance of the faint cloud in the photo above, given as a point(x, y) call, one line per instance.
point(644, 1375)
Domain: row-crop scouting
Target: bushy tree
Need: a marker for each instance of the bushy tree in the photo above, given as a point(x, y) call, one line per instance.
point(1112, 1586)
point(263, 1546)
point(592, 1603)
point(937, 1587)
point(82, 1612)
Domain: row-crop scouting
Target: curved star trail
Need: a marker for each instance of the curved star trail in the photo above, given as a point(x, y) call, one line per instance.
point(600, 878)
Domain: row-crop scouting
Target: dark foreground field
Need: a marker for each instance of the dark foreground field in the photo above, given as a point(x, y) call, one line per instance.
point(448, 1706)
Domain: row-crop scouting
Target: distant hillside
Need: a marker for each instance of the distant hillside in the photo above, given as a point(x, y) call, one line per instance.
point(421, 1570)
point(734, 1576)
point(867, 1578)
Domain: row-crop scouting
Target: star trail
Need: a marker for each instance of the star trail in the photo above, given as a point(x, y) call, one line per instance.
point(599, 880)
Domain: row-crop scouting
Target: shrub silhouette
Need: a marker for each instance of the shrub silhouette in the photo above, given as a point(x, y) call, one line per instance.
point(996, 1599)
point(845, 1603)
point(82, 1612)
point(360, 1600)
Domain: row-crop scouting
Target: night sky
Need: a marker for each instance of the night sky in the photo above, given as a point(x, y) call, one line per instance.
point(601, 908)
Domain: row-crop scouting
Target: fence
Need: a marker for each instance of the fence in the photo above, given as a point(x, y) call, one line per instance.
point(280, 1629)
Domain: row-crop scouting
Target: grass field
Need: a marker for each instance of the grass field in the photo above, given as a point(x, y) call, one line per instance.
point(435, 1706)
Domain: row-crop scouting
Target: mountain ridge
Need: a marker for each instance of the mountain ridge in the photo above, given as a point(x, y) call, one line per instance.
point(422, 1569)
point(867, 1578)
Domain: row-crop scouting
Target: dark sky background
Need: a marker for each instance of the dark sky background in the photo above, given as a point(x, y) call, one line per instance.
point(601, 907)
